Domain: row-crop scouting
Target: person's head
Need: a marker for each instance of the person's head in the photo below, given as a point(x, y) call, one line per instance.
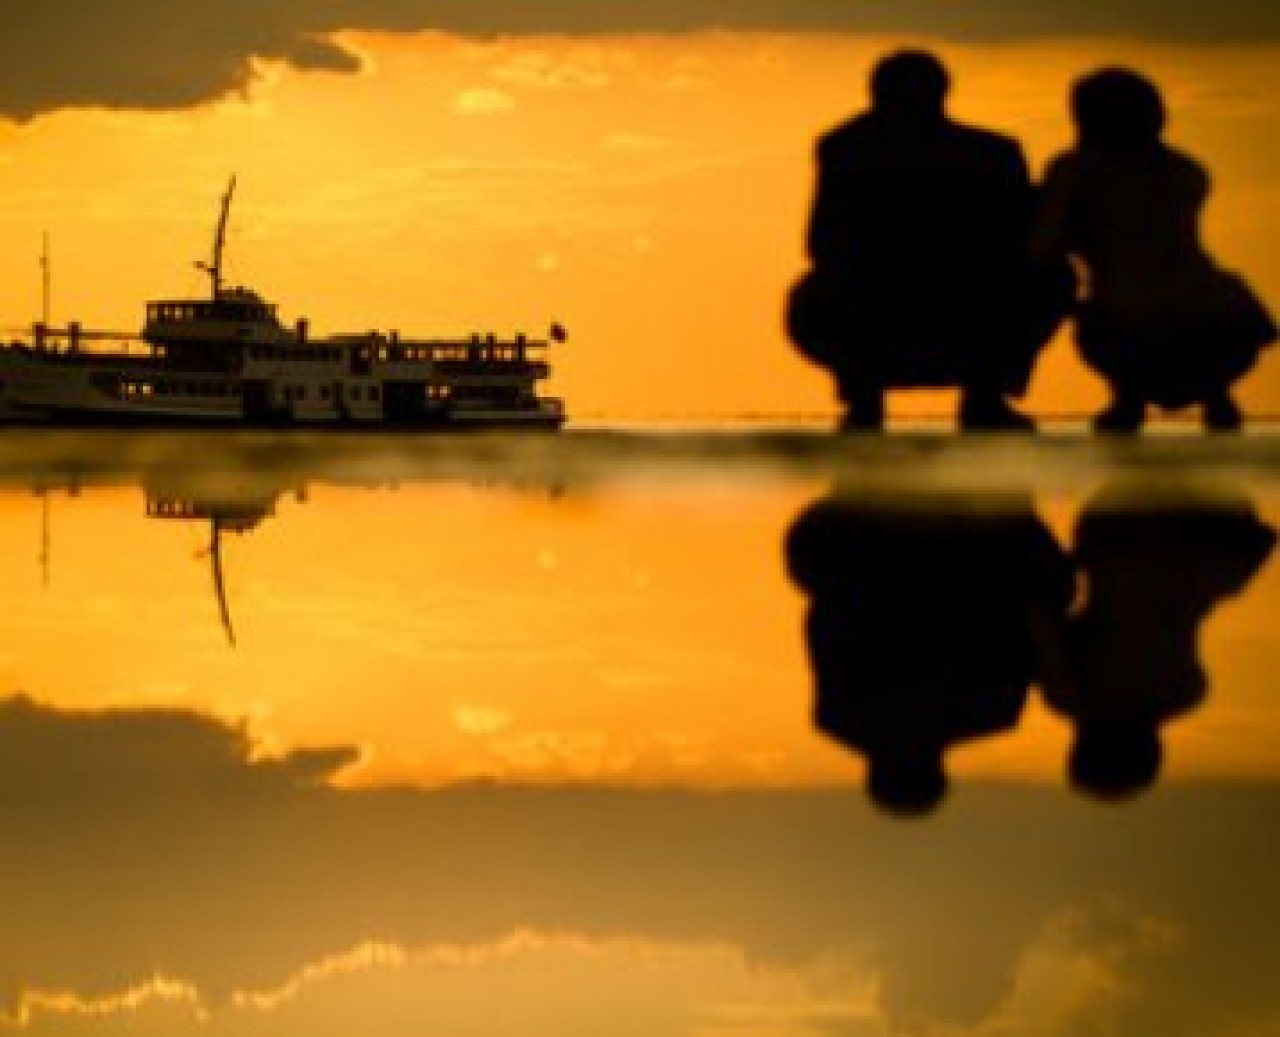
point(910, 82)
point(1117, 108)
point(907, 784)
point(1115, 762)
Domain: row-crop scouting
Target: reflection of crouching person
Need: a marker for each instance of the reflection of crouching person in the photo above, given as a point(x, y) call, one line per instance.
point(1154, 573)
point(920, 629)
point(918, 240)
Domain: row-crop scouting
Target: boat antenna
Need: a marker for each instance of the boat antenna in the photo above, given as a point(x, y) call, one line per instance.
point(46, 537)
point(214, 267)
point(46, 279)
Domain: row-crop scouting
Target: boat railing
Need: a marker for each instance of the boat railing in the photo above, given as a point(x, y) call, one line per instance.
point(74, 339)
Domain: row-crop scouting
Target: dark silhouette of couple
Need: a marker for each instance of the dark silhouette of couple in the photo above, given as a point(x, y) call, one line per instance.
point(929, 619)
point(937, 262)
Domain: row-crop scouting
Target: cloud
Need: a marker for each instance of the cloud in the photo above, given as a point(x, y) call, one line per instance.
point(159, 54)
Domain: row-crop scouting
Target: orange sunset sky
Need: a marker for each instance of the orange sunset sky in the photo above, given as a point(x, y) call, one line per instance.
point(437, 168)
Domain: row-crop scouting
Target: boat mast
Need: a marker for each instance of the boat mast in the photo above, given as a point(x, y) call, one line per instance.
point(46, 279)
point(214, 267)
point(219, 584)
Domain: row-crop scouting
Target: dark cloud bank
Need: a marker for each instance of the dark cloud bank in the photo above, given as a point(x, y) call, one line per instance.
point(132, 841)
point(161, 54)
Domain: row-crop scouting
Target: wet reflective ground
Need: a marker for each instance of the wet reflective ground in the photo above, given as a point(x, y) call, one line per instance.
point(691, 732)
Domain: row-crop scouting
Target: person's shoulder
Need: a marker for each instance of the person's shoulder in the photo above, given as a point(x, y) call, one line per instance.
point(842, 137)
point(982, 139)
point(1185, 166)
point(1182, 159)
point(1065, 165)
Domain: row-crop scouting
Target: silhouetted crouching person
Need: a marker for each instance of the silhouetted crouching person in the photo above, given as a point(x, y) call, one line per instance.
point(921, 629)
point(1161, 323)
point(920, 265)
point(1154, 572)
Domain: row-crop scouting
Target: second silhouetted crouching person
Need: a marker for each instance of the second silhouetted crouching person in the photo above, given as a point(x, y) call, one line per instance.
point(1161, 323)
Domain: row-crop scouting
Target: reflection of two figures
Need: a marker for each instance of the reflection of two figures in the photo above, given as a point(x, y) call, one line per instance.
point(928, 622)
point(935, 262)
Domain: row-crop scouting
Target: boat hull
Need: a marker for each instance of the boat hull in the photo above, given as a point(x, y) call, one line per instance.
point(87, 418)
point(83, 392)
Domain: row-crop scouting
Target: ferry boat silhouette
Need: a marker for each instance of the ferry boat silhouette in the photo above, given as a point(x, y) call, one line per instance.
point(227, 361)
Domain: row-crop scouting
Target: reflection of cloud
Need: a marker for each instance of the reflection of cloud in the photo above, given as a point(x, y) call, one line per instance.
point(151, 843)
point(484, 101)
point(34, 1006)
point(481, 720)
point(143, 756)
point(165, 55)
point(364, 958)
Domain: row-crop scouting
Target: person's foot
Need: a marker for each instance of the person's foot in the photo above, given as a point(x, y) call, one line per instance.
point(982, 413)
point(865, 413)
point(1222, 414)
point(1125, 414)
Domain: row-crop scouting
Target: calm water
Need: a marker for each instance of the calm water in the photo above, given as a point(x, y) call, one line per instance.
point(570, 735)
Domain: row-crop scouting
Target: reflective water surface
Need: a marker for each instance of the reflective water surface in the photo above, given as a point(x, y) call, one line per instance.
point(680, 733)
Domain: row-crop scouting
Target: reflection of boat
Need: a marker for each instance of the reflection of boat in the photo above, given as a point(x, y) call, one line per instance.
point(232, 513)
point(228, 361)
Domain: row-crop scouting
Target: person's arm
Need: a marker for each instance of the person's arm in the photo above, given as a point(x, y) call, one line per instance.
point(1051, 230)
point(829, 218)
point(1020, 195)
